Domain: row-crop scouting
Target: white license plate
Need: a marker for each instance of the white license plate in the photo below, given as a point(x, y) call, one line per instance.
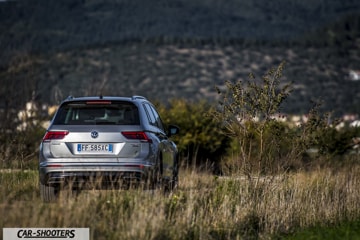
point(94, 148)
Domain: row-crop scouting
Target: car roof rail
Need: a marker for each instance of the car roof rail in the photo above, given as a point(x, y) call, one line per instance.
point(137, 97)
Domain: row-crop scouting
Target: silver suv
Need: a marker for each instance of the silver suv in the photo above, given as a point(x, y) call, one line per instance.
point(107, 142)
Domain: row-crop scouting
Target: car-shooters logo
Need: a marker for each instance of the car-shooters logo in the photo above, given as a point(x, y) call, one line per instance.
point(46, 233)
point(54, 233)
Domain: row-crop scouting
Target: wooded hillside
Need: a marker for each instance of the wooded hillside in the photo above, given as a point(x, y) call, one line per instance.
point(178, 49)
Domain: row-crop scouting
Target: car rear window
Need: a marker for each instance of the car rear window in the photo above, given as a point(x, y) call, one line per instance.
point(97, 112)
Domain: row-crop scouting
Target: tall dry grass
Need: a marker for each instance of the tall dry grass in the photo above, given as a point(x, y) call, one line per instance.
point(203, 207)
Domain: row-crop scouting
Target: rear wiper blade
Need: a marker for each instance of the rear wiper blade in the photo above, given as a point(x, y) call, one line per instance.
point(105, 123)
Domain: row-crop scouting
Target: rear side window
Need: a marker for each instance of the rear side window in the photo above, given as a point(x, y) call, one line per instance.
point(153, 116)
point(97, 112)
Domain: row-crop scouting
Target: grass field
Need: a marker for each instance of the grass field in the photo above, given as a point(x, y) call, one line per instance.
point(322, 204)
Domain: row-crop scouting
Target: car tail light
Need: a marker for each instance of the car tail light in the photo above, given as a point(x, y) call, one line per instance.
point(98, 102)
point(50, 135)
point(135, 166)
point(137, 135)
point(54, 165)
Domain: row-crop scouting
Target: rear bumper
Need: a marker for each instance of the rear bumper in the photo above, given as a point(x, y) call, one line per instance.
point(56, 173)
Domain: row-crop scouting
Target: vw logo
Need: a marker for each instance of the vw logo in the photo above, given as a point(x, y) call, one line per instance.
point(94, 134)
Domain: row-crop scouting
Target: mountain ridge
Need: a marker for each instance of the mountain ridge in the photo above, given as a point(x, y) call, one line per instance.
point(41, 26)
point(60, 48)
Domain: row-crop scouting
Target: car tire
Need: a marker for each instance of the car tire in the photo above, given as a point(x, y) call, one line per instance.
point(172, 183)
point(157, 179)
point(175, 179)
point(48, 193)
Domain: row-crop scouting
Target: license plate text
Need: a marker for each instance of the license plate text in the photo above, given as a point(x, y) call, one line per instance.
point(95, 148)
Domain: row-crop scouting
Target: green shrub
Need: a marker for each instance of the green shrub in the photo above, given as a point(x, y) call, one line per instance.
point(246, 111)
point(199, 143)
point(261, 144)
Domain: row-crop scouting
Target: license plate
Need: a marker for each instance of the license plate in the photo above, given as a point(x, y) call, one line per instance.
point(94, 148)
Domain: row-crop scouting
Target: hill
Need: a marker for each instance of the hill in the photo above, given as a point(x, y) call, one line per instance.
point(45, 26)
point(164, 49)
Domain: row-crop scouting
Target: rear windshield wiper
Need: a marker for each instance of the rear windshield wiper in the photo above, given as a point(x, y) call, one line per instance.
point(104, 122)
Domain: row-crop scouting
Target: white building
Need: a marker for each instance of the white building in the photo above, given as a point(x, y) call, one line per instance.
point(354, 75)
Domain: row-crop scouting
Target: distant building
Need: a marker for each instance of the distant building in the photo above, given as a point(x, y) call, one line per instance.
point(27, 114)
point(355, 123)
point(354, 75)
point(279, 117)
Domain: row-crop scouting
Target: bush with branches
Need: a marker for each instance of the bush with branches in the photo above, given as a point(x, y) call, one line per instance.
point(199, 144)
point(246, 111)
point(262, 145)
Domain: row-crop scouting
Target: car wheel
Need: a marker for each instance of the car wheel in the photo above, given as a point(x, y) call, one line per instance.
point(173, 182)
point(158, 181)
point(49, 193)
point(154, 180)
point(175, 178)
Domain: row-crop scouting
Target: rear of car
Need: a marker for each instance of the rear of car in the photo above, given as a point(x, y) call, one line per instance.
point(103, 141)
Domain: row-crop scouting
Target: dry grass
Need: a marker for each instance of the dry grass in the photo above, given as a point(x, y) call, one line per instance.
point(203, 207)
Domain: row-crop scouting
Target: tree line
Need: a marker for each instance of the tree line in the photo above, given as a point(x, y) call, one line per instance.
point(238, 133)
